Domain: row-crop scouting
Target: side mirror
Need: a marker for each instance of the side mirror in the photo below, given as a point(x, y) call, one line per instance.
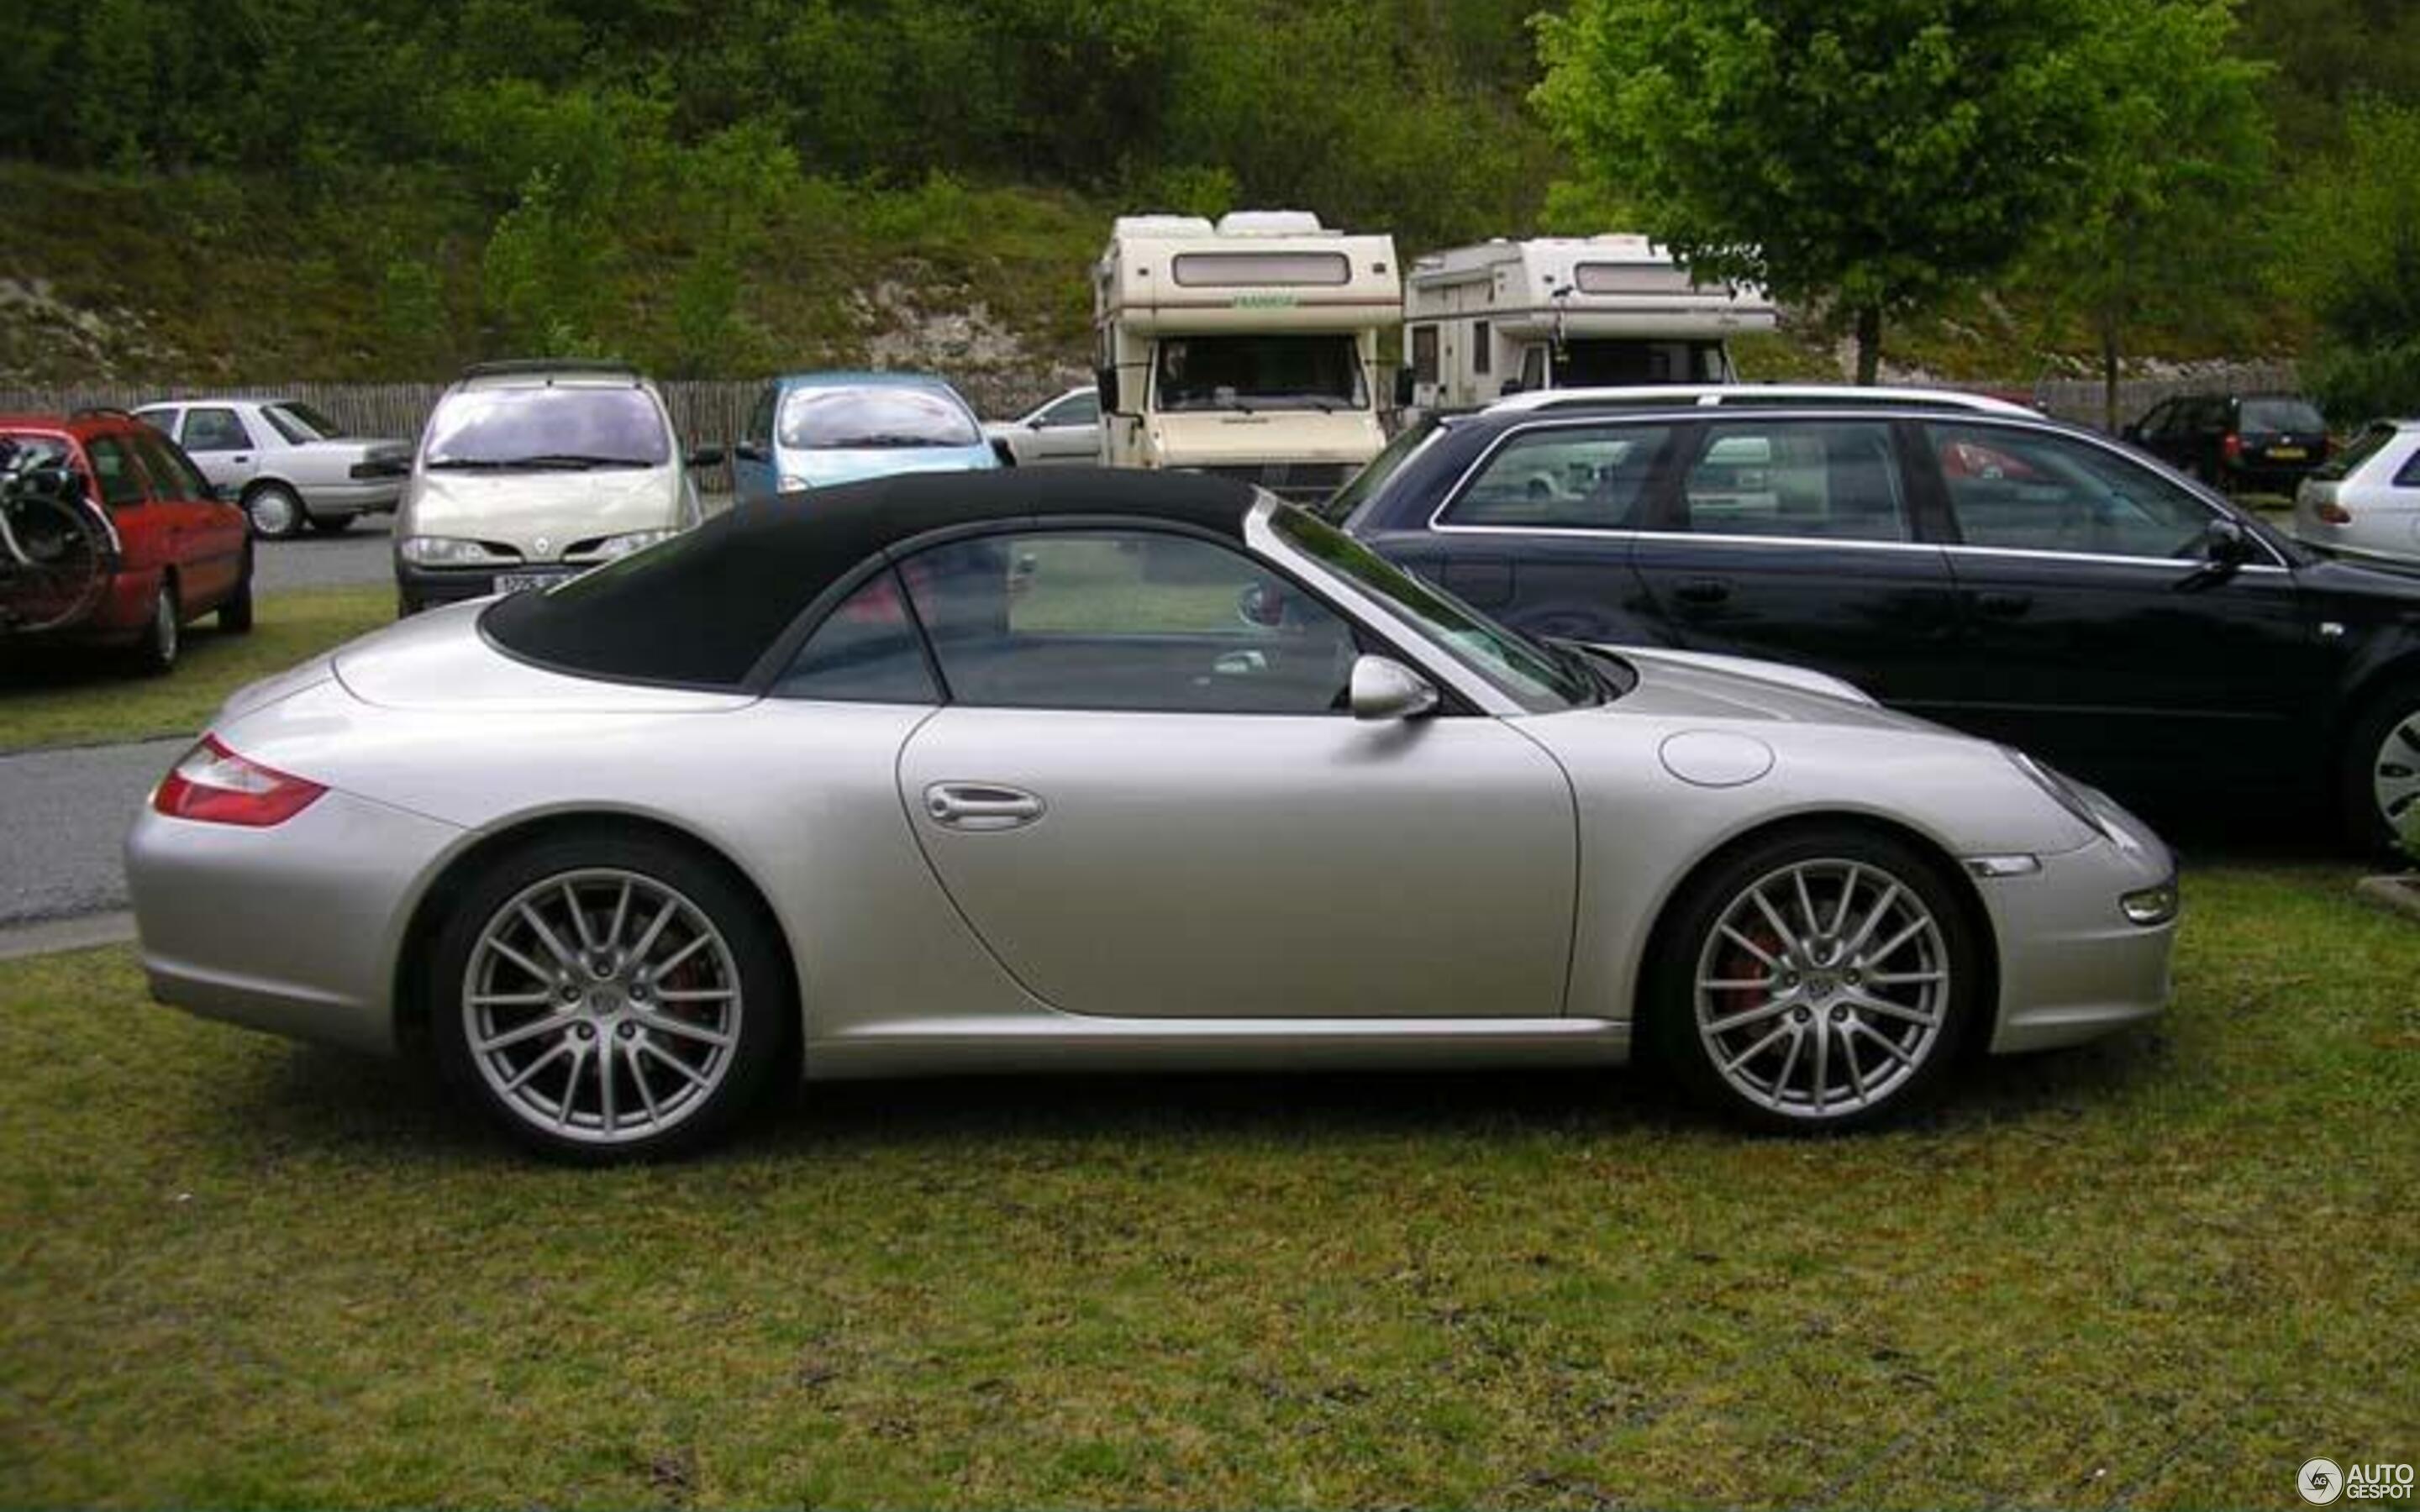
point(2225, 544)
point(1037, 422)
point(1106, 378)
point(1260, 607)
point(706, 457)
point(1508, 388)
point(1001, 449)
point(1384, 688)
point(1403, 391)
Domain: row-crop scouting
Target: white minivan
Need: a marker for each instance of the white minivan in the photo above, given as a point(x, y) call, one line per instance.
point(529, 472)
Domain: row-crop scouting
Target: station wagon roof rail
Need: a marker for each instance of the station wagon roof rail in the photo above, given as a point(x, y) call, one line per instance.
point(1739, 395)
point(551, 367)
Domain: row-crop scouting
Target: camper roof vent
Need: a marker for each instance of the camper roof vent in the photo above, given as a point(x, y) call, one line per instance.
point(1269, 223)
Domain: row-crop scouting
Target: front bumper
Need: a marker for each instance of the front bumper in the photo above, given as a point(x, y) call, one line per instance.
point(291, 929)
point(2073, 965)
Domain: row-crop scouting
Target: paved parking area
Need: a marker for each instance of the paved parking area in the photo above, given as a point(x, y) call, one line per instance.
point(68, 812)
point(358, 557)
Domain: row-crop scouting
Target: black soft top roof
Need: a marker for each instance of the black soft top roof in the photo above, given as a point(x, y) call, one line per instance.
point(702, 609)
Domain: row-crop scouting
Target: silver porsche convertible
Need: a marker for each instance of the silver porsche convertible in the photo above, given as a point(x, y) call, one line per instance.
point(1116, 771)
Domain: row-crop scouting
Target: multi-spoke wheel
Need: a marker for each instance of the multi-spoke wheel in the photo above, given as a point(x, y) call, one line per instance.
point(1820, 981)
point(2381, 780)
point(609, 998)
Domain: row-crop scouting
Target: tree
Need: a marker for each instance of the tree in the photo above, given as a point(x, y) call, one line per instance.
point(2157, 228)
point(1869, 155)
point(2356, 263)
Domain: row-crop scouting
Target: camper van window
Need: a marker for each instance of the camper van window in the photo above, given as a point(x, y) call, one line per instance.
point(1424, 354)
point(1633, 278)
point(1262, 270)
point(1483, 348)
point(832, 418)
point(1259, 372)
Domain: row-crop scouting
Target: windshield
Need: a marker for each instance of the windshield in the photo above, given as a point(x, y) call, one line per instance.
point(1339, 506)
point(300, 422)
point(2273, 415)
point(1624, 362)
point(834, 419)
point(1255, 373)
point(1540, 678)
point(569, 427)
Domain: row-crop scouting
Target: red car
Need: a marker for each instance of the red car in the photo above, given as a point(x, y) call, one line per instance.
point(169, 551)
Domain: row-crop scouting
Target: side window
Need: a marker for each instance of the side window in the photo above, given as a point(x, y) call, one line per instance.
point(1082, 409)
point(113, 472)
point(2035, 491)
point(1424, 354)
point(1130, 620)
point(1482, 348)
point(215, 430)
point(172, 475)
point(866, 651)
point(2408, 475)
point(1826, 480)
point(162, 421)
point(1565, 476)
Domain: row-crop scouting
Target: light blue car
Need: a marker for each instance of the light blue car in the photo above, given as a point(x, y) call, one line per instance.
point(813, 430)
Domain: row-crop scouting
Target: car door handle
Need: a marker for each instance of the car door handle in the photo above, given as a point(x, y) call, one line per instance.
point(980, 806)
point(1703, 591)
point(2004, 606)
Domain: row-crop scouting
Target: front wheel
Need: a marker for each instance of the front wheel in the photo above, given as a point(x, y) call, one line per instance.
point(2380, 789)
point(1818, 980)
point(275, 511)
point(609, 997)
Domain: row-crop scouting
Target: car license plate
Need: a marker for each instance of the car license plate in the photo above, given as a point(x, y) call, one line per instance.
point(513, 583)
point(2288, 454)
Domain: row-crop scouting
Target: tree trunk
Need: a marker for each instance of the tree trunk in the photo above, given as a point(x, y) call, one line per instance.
point(1870, 344)
point(2109, 371)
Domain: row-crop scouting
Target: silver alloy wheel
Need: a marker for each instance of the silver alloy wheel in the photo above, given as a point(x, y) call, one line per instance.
point(1823, 988)
point(601, 1005)
point(2395, 774)
point(275, 511)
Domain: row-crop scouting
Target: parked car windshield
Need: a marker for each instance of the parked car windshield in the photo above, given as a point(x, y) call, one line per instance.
point(298, 422)
point(2272, 415)
point(568, 427)
point(1339, 506)
point(1254, 372)
point(830, 419)
point(1540, 678)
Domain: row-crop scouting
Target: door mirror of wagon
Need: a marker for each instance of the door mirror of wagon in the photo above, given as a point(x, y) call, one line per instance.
point(1384, 688)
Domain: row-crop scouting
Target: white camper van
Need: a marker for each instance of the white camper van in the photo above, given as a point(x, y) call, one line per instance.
point(1248, 347)
point(1564, 312)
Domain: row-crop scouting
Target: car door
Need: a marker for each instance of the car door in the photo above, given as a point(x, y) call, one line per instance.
point(1796, 539)
point(221, 445)
point(2100, 639)
point(209, 534)
point(1069, 432)
point(1147, 796)
point(1540, 531)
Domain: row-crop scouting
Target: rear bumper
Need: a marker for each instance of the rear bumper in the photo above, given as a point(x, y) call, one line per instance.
point(291, 929)
point(2073, 965)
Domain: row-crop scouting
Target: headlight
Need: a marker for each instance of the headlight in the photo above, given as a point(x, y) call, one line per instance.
point(2057, 789)
point(2151, 906)
point(447, 551)
point(622, 545)
point(792, 483)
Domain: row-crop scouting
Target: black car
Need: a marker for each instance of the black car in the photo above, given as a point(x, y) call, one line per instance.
point(2243, 442)
point(1956, 558)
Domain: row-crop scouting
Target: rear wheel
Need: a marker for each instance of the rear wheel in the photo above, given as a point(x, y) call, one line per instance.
point(609, 997)
point(156, 652)
point(2379, 788)
point(275, 511)
point(1820, 980)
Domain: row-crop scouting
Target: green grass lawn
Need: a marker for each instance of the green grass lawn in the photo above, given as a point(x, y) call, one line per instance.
point(68, 696)
point(2163, 1272)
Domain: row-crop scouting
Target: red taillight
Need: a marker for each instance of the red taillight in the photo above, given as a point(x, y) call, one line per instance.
point(2232, 445)
point(2332, 513)
point(216, 786)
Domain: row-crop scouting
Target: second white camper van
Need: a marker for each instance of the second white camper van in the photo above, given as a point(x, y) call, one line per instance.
point(1248, 347)
point(1564, 312)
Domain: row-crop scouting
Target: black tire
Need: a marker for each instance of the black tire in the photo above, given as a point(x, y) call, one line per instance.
point(234, 615)
point(731, 947)
point(155, 654)
point(406, 606)
point(2384, 742)
point(275, 511)
point(1812, 996)
point(332, 524)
